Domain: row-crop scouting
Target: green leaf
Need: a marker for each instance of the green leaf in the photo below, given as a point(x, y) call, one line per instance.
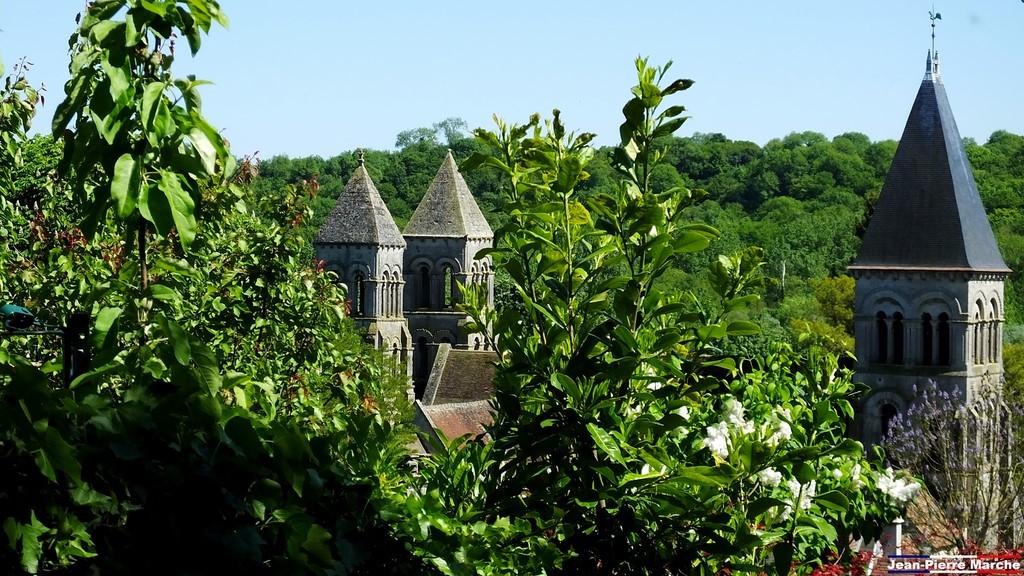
point(99, 33)
point(207, 367)
point(783, 553)
point(742, 328)
point(833, 500)
point(158, 8)
point(242, 433)
point(762, 505)
point(691, 241)
point(163, 293)
point(119, 82)
point(803, 472)
point(633, 111)
point(677, 86)
point(207, 152)
point(106, 324)
point(606, 443)
point(162, 132)
point(179, 339)
point(155, 208)
point(317, 540)
point(152, 96)
point(578, 215)
point(45, 465)
point(31, 547)
point(741, 302)
point(672, 112)
point(705, 475)
point(669, 127)
point(126, 184)
point(77, 90)
point(637, 480)
point(182, 207)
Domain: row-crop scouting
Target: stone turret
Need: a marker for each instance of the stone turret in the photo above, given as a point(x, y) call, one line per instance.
point(443, 238)
point(362, 244)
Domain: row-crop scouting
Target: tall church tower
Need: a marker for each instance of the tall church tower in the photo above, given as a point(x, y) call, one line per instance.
point(443, 237)
point(929, 277)
point(361, 243)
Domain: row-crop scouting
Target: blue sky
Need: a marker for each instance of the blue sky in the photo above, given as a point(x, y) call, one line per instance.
point(324, 76)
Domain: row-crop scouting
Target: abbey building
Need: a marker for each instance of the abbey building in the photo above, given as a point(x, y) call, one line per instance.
point(404, 287)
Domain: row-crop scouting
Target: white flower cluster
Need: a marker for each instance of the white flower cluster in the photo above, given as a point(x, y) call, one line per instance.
point(779, 427)
point(770, 477)
point(802, 495)
point(718, 439)
point(855, 480)
point(898, 489)
point(734, 415)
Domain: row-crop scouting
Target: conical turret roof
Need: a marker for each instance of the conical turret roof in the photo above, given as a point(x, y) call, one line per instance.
point(360, 216)
point(929, 214)
point(448, 208)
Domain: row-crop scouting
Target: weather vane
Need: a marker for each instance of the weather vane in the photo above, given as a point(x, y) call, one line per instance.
point(934, 16)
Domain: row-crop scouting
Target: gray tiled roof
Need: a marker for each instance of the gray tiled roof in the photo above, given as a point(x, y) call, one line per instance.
point(360, 216)
point(448, 208)
point(929, 214)
point(460, 376)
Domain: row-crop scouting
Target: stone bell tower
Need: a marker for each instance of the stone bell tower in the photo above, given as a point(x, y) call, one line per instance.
point(929, 276)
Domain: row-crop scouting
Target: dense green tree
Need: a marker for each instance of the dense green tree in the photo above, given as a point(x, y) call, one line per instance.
point(231, 421)
point(610, 452)
point(415, 136)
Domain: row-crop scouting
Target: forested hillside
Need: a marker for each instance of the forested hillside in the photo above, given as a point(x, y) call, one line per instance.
point(803, 198)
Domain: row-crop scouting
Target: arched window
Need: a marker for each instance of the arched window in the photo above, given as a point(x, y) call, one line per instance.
point(927, 339)
point(882, 337)
point(359, 297)
point(476, 343)
point(389, 295)
point(397, 293)
point(393, 300)
point(943, 339)
point(449, 287)
point(976, 356)
point(421, 366)
point(424, 287)
point(887, 413)
point(897, 338)
point(993, 332)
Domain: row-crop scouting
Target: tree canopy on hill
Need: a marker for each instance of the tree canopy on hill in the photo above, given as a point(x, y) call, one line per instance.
point(803, 198)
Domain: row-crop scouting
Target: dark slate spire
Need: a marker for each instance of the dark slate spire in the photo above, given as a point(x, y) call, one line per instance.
point(360, 216)
point(448, 208)
point(929, 215)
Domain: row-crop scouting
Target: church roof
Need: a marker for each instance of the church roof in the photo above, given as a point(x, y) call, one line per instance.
point(454, 420)
point(929, 214)
point(448, 208)
point(460, 376)
point(360, 216)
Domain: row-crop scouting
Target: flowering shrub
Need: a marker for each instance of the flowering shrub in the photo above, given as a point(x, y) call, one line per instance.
point(970, 455)
point(625, 441)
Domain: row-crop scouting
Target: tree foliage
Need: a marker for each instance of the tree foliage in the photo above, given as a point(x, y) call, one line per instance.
point(232, 421)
